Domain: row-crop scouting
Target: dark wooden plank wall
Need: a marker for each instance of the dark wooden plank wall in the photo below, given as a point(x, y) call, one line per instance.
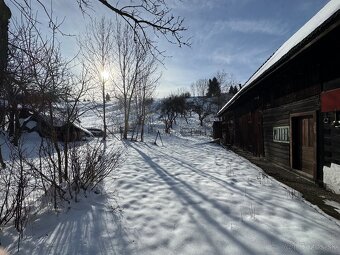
point(280, 116)
point(293, 88)
point(331, 138)
point(227, 129)
point(248, 132)
point(217, 129)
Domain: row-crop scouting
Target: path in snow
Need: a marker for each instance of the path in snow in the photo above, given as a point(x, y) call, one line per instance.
point(187, 197)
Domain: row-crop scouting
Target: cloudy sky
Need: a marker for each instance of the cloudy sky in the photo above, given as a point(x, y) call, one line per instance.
point(236, 36)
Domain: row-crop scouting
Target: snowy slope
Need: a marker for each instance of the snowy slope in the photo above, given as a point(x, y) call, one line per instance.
point(186, 197)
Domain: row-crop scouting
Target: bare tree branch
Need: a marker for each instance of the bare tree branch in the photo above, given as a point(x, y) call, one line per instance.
point(143, 16)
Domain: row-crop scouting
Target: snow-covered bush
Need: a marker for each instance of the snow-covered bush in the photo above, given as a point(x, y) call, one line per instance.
point(90, 165)
point(31, 180)
point(16, 186)
point(82, 166)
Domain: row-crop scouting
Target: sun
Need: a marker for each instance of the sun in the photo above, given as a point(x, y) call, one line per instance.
point(105, 75)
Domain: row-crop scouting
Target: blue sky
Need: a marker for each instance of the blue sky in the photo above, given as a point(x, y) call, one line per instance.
point(236, 36)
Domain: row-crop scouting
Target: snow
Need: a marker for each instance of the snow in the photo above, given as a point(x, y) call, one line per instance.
point(22, 121)
point(331, 177)
point(82, 129)
point(31, 124)
point(325, 13)
point(333, 204)
point(186, 197)
point(189, 196)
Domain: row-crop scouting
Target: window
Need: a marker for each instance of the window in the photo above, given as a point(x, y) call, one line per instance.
point(281, 134)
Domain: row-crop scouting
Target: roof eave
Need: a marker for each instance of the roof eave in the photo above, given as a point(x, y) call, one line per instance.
point(308, 41)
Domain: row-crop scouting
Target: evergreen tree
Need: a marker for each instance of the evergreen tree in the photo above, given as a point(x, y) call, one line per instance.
point(214, 88)
point(231, 90)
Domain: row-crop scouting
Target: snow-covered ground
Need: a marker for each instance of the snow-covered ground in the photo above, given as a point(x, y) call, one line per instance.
point(186, 197)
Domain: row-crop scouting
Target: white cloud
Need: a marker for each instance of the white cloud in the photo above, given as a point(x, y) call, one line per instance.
point(206, 33)
point(221, 56)
point(193, 4)
point(268, 27)
point(205, 4)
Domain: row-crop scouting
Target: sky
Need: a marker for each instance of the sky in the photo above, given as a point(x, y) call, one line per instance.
point(235, 36)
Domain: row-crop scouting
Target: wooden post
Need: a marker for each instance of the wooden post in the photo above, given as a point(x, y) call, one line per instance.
point(5, 15)
point(158, 134)
point(160, 137)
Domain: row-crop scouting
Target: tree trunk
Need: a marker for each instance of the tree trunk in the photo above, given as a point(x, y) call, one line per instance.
point(5, 15)
point(143, 116)
point(66, 147)
point(54, 139)
point(17, 128)
point(104, 111)
point(126, 118)
point(201, 120)
point(11, 122)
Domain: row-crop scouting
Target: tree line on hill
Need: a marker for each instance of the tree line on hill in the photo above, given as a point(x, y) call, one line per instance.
point(206, 98)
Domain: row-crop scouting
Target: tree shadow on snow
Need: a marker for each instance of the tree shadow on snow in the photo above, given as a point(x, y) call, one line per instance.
point(185, 193)
point(91, 226)
point(230, 187)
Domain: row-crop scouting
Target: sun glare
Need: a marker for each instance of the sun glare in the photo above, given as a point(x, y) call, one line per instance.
point(105, 75)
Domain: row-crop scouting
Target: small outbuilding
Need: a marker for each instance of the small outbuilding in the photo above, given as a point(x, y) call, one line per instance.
point(289, 110)
point(60, 130)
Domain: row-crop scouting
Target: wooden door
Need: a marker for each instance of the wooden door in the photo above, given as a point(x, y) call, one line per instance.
point(304, 143)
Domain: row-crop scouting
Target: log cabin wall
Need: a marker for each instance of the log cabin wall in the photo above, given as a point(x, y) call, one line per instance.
point(279, 151)
point(242, 126)
point(331, 139)
point(228, 129)
point(293, 90)
point(280, 115)
point(329, 132)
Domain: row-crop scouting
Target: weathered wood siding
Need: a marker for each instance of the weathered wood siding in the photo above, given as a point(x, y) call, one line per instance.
point(331, 138)
point(287, 95)
point(280, 116)
point(217, 129)
point(248, 132)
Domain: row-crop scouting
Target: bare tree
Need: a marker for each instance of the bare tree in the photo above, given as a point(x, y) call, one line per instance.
point(37, 77)
point(142, 16)
point(171, 107)
point(199, 88)
point(146, 88)
point(97, 51)
point(201, 104)
point(226, 80)
point(202, 107)
point(130, 67)
point(35, 73)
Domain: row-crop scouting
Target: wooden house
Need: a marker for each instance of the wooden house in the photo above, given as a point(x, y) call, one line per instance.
point(289, 110)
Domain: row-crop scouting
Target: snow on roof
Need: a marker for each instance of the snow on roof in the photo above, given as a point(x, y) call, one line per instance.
point(323, 15)
point(86, 131)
